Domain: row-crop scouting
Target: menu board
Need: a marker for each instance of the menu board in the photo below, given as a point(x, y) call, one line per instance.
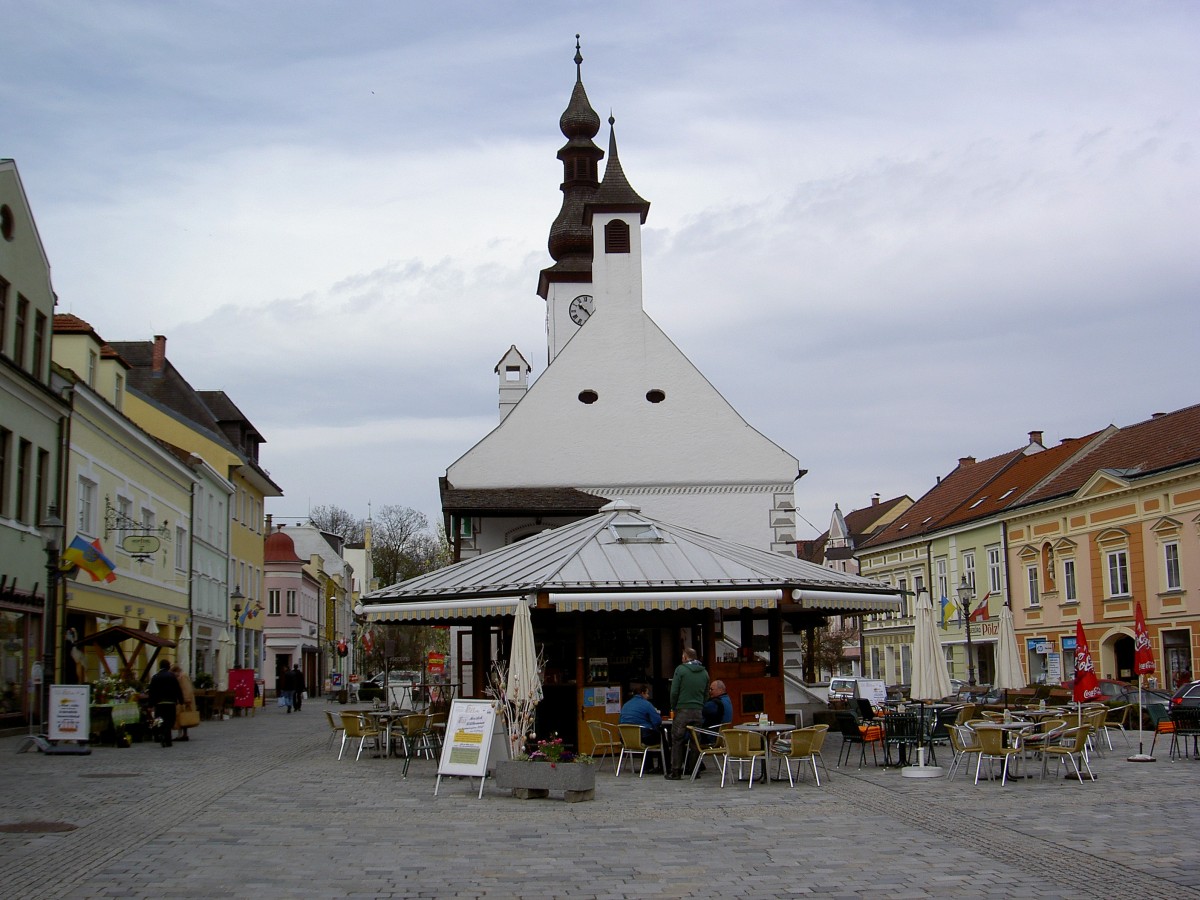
point(873, 689)
point(70, 718)
point(468, 739)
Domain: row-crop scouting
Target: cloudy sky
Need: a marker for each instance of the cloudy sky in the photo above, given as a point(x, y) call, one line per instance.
point(891, 234)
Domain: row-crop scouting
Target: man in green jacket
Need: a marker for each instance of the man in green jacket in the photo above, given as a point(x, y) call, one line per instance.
point(689, 690)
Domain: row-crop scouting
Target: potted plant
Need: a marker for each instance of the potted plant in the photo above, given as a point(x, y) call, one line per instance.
point(549, 767)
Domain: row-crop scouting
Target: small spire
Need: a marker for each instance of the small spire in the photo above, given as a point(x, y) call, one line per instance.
point(578, 61)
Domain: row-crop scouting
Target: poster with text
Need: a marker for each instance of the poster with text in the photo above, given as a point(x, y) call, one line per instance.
point(70, 708)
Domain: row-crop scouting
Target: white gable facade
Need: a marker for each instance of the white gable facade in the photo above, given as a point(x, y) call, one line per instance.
point(620, 412)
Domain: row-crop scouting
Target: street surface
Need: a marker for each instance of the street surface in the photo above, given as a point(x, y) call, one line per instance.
point(258, 807)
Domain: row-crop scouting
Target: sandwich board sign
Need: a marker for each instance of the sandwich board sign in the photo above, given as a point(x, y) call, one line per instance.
point(468, 741)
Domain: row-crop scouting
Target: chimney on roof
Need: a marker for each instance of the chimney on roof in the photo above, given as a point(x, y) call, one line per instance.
point(874, 499)
point(269, 515)
point(160, 354)
point(1035, 437)
point(966, 460)
point(1157, 415)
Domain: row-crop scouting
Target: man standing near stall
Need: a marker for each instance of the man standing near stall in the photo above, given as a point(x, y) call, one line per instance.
point(689, 690)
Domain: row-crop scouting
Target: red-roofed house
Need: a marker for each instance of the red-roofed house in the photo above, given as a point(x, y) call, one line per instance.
point(1118, 525)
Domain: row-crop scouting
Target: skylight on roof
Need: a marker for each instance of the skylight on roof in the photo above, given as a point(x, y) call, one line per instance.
point(1006, 493)
point(980, 500)
point(631, 532)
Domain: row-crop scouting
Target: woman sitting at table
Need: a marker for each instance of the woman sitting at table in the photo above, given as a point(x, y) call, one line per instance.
point(638, 710)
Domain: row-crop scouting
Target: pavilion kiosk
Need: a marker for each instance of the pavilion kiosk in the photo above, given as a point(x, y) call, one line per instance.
point(614, 600)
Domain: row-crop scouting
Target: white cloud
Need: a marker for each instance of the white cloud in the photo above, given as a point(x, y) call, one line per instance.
point(892, 234)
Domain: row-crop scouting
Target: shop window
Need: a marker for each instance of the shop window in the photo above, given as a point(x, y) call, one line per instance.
point(753, 704)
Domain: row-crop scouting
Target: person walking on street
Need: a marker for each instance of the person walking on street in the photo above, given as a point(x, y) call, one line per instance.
point(296, 684)
point(186, 711)
point(689, 689)
point(166, 695)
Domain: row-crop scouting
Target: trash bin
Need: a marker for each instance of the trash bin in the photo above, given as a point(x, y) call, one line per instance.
point(343, 695)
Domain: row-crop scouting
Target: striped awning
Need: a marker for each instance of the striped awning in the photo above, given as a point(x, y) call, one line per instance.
point(441, 609)
point(846, 601)
point(665, 600)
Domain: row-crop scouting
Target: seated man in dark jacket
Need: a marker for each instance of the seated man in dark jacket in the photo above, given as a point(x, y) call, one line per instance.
point(718, 709)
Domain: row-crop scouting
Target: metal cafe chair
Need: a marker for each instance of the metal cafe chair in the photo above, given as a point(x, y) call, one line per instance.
point(631, 740)
point(606, 742)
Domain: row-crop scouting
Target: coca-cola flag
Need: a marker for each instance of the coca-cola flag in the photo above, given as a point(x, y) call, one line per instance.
point(368, 641)
point(1143, 652)
point(1087, 685)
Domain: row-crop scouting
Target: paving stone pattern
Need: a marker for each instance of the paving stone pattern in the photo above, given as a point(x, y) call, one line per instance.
point(258, 807)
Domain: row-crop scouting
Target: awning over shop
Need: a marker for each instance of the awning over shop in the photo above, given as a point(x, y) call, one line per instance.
point(441, 609)
point(665, 600)
point(846, 601)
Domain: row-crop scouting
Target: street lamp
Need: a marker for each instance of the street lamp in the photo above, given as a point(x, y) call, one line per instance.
point(51, 528)
point(964, 610)
point(237, 597)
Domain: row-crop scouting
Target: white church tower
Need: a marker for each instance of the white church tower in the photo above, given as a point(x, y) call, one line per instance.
point(620, 412)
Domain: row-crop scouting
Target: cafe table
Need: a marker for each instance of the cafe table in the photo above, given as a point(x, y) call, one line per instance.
point(383, 719)
point(769, 732)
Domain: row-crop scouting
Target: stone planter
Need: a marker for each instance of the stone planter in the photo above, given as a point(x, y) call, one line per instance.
point(532, 780)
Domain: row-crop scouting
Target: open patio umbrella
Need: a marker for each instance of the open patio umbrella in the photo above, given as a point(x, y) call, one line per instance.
point(930, 679)
point(523, 690)
point(1143, 664)
point(1009, 674)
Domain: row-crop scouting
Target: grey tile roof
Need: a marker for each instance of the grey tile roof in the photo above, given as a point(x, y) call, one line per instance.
point(649, 555)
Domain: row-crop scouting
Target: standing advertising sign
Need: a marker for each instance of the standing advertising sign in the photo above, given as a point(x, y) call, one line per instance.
point(70, 712)
point(468, 741)
point(241, 682)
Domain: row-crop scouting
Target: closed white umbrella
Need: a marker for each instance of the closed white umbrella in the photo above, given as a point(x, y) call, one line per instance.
point(930, 678)
point(1009, 674)
point(523, 690)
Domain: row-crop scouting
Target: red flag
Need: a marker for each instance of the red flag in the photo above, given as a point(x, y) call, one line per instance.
point(1143, 652)
point(1087, 685)
point(368, 641)
point(981, 614)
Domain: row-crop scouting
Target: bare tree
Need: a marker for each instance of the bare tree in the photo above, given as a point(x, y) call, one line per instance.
point(336, 520)
point(830, 647)
point(402, 546)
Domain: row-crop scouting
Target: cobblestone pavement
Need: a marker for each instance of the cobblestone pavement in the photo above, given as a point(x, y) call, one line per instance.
point(259, 807)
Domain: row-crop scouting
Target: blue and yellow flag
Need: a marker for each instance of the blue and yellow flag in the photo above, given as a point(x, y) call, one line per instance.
point(945, 611)
point(90, 558)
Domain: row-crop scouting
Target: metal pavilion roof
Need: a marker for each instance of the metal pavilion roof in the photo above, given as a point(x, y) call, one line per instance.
point(620, 559)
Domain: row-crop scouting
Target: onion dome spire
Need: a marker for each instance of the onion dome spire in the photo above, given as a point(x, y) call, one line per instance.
point(570, 242)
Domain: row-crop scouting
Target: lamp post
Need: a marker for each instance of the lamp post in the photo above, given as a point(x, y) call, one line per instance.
point(51, 528)
point(237, 597)
point(964, 610)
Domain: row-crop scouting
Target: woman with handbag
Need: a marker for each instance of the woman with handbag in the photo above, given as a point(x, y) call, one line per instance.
point(188, 715)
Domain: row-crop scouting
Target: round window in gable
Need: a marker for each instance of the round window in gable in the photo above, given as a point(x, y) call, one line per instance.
point(656, 396)
point(6, 223)
point(588, 397)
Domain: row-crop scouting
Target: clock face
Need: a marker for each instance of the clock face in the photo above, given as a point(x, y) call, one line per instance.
point(581, 308)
